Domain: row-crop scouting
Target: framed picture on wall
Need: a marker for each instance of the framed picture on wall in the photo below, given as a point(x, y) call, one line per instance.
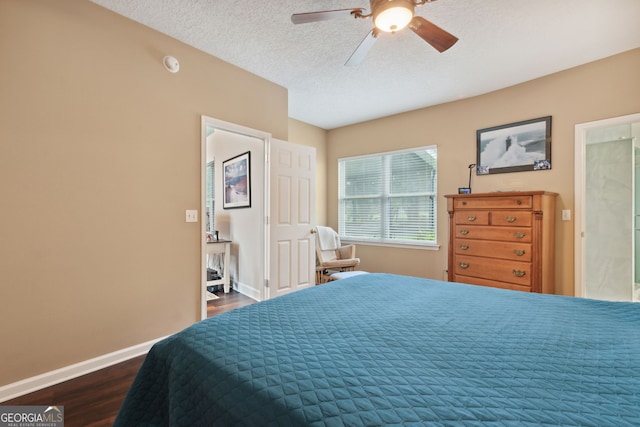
point(237, 181)
point(516, 147)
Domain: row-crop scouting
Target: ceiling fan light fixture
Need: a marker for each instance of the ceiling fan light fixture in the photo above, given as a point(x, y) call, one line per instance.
point(392, 15)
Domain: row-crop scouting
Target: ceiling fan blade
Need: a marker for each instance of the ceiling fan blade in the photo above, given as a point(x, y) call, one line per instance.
point(432, 34)
point(304, 18)
point(363, 48)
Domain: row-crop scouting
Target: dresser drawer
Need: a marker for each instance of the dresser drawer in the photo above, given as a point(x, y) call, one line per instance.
point(493, 269)
point(472, 217)
point(506, 202)
point(491, 249)
point(490, 283)
point(511, 218)
point(505, 234)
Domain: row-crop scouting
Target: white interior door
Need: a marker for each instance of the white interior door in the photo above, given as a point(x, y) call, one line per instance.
point(291, 217)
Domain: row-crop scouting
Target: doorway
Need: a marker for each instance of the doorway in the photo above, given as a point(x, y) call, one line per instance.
point(607, 192)
point(245, 228)
point(272, 247)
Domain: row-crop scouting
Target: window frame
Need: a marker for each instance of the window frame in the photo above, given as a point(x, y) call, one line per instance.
point(385, 198)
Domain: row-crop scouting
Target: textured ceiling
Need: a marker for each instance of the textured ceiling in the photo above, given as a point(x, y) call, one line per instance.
point(502, 43)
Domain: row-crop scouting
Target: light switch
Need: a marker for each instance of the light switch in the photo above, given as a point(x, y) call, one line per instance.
point(566, 215)
point(192, 215)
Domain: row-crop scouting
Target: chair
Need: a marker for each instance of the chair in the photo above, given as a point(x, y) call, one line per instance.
point(331, 256)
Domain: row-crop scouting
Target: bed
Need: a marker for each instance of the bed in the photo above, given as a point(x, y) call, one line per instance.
point(380, 349)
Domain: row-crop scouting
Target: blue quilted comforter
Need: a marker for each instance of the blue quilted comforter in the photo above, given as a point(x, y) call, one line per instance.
point(380, 349)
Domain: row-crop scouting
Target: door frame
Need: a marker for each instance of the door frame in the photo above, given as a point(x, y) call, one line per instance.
point(206, 122)
point(581, 131)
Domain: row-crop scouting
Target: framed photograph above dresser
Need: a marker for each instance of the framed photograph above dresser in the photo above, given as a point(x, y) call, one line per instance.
point(503, 240)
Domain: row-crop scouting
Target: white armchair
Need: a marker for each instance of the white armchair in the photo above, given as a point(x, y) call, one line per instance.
point(331, 255)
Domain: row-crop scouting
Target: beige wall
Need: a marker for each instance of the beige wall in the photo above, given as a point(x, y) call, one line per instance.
point(99, 159)
point(303, 133)
point(598, 90)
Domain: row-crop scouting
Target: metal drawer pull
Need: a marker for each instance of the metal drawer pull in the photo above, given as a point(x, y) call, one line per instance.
point(471, 218)
point(519, 273)
point(518, 252)
point(518, 235)
point(464, 265)
point(464, 232)
point(510, 218)
point(518, 202)
point(464, 247)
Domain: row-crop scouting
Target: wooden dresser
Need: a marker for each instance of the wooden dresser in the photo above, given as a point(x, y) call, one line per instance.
point(503, 240)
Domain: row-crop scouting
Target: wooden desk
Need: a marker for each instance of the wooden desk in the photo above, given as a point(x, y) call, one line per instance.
point(222, 247)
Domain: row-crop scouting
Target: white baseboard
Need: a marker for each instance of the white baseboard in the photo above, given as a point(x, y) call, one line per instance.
point(247, 290)
point(29, 385)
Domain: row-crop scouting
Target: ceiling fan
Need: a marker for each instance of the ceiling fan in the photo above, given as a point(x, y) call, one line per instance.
point(388, 16)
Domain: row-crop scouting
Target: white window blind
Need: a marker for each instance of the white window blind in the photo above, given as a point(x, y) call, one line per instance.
point(389, 197)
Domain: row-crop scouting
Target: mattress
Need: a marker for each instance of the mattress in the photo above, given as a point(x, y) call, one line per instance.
point(380, 349)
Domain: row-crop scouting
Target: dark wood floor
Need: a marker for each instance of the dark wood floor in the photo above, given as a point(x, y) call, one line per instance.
point(94, 399)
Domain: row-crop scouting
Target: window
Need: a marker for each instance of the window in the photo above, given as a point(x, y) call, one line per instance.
point(389, 197)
